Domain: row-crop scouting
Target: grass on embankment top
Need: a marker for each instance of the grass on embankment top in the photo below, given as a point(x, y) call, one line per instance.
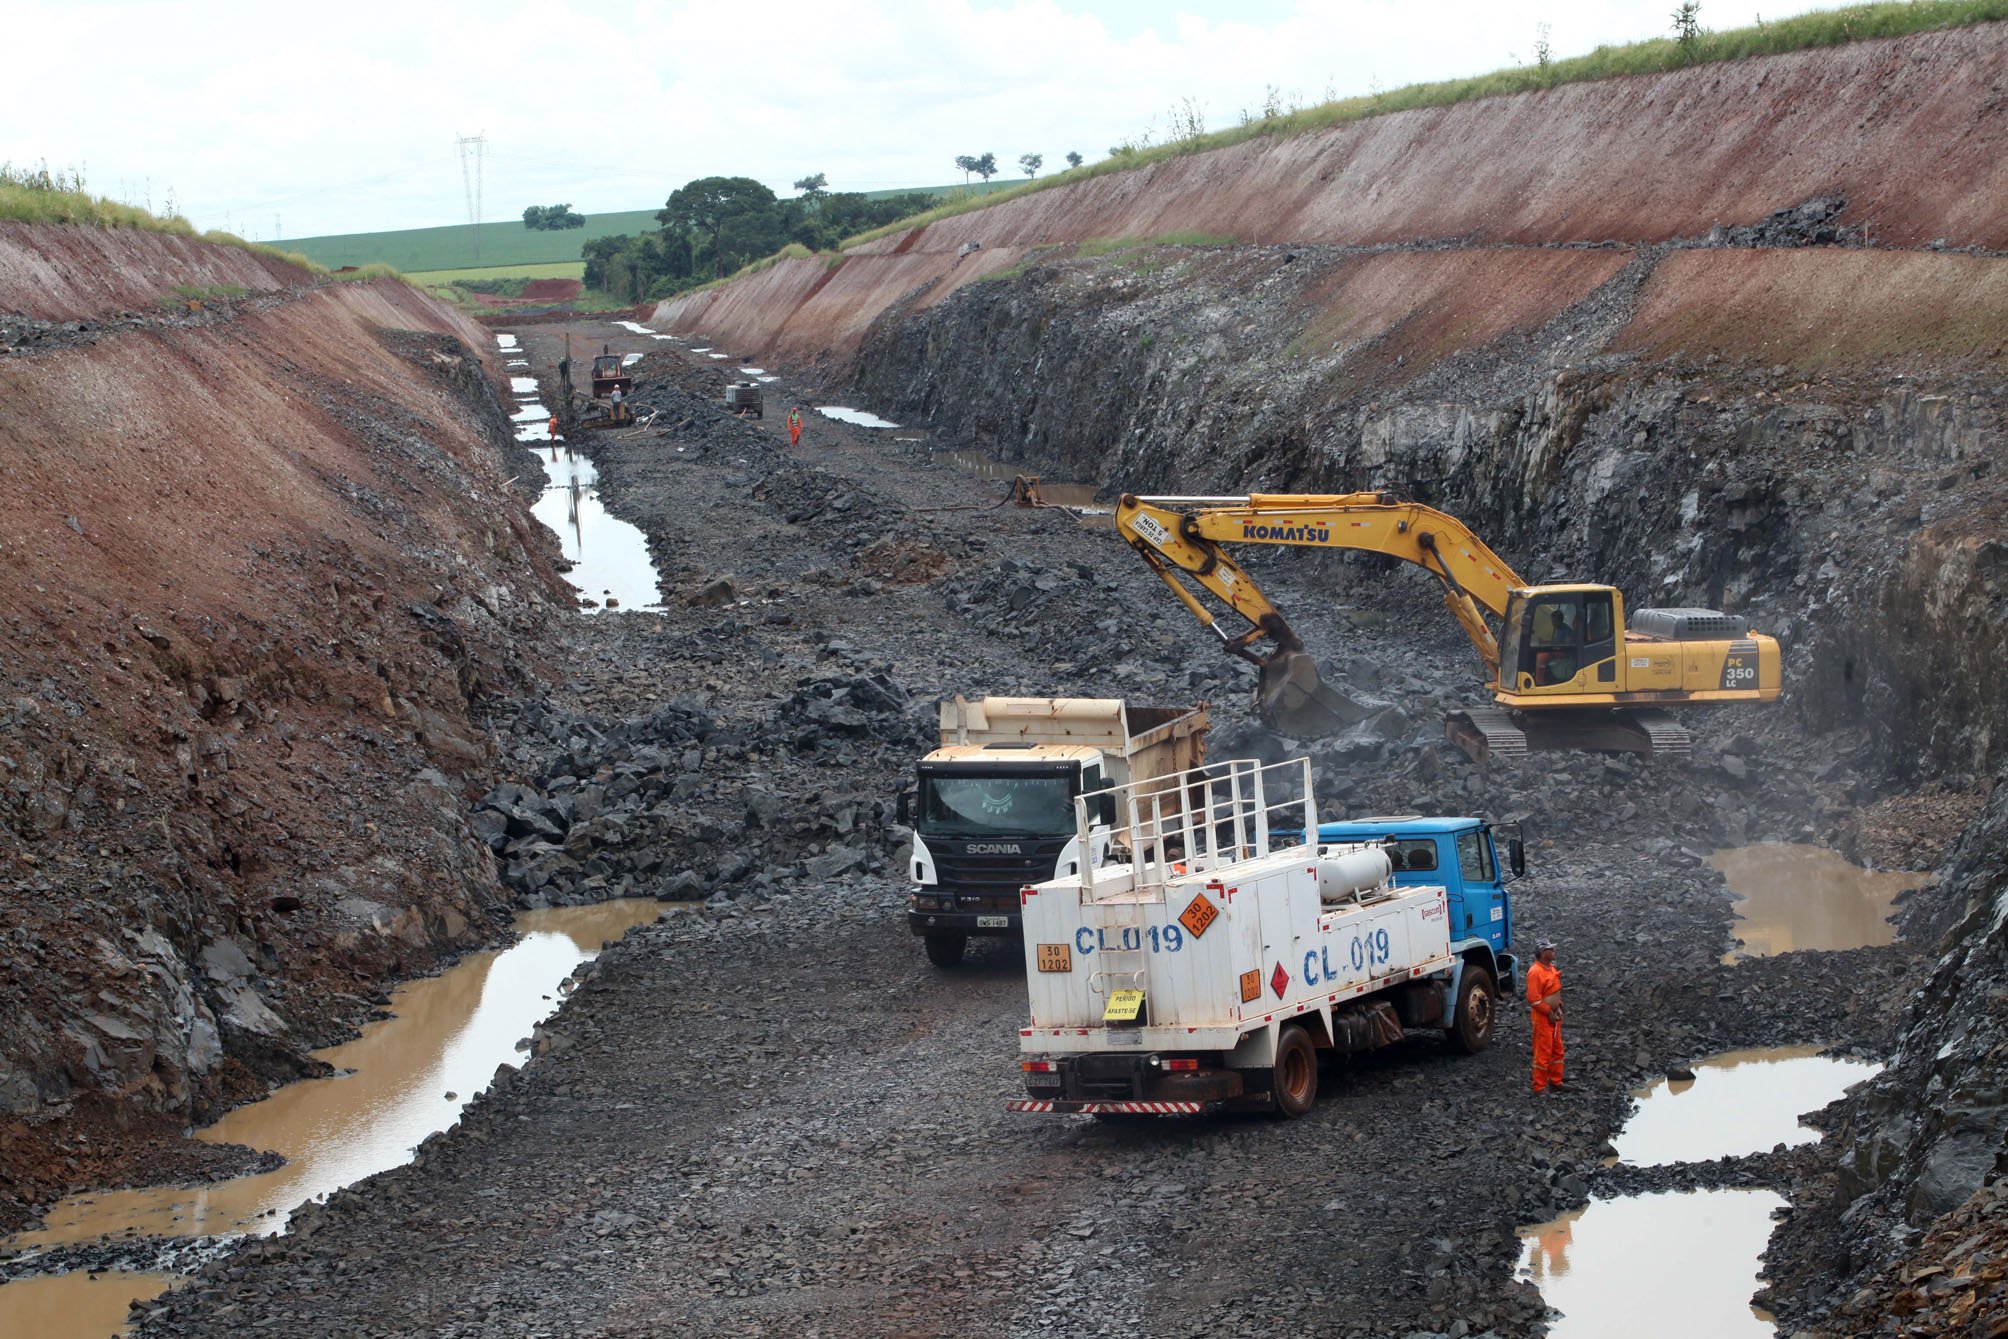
point(1829, 27)
point(38, 196)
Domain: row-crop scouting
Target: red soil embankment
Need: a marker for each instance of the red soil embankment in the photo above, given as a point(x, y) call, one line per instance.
point(254, 574)
point(1912, 132)
point(1821, 309)
point(72, 273)
point(552, 290)
point(538, 292)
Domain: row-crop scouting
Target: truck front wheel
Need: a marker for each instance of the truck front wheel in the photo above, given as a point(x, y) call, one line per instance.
point(1477, 997)
point(945, 950)
point(1295, 1082)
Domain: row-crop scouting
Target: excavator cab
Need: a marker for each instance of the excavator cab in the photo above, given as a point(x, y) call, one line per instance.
point(1561, 640)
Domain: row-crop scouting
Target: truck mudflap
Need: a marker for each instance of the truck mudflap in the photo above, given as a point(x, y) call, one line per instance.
point(1059, 1106)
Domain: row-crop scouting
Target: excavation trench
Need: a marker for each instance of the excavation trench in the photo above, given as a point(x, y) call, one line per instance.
point(609, 561)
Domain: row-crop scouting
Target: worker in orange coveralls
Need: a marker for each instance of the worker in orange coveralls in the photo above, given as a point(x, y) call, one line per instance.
point(1544, 998)
point(795, 426)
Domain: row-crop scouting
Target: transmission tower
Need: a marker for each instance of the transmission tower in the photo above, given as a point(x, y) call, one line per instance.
point(472, 147)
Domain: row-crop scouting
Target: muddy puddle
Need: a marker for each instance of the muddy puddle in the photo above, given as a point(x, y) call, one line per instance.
point(610, 560)
point(404, 1078)
point(1661, 1266)
point(856, 417)
point(1077, 498)
point(634, 328)
point(74, 1304)
point(1791, 897)
point(1704, 1247)
point(1738, 1103)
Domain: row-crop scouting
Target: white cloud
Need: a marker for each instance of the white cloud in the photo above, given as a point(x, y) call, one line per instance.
point(344, 119)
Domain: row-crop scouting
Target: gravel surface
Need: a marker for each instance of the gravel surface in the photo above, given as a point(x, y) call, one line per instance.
point(766, 1114)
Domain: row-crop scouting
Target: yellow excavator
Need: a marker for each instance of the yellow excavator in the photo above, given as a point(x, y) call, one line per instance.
point(1566, 670)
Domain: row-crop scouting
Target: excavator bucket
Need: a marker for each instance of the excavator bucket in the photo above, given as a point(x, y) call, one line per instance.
point(1291, 699)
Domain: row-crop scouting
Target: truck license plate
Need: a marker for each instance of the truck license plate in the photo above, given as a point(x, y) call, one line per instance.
point(1056, 957)
point(993, 922)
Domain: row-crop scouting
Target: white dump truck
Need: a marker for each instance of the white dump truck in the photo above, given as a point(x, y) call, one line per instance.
point(1212, 958)
point(993, 808)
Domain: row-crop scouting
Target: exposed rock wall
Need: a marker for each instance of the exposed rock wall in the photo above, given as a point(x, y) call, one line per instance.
point(257, 577)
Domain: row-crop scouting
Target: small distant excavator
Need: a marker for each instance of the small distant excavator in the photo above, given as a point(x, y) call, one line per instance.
point(1566, 670)
point(613, 383)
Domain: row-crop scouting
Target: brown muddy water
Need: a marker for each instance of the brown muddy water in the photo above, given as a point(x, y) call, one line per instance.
point(1670, 1265)
point(405, 1078)
point(1078, 498)
point(74, 1306)
point(1791, 897)
point(1685, 1263)
point(1737, 1103)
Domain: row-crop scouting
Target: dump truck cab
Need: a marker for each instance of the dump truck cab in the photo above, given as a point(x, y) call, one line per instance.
point(992, 809)
point(989, 819)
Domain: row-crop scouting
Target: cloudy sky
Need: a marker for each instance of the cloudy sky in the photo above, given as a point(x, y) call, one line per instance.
point(291, 121)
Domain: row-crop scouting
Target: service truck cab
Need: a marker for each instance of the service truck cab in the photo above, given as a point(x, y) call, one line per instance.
point(1212, 959)
point(993, 808)
point(1461, 855)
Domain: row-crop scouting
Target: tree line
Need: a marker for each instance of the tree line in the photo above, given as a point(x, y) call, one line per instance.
point(714, 225)
point(984, 165)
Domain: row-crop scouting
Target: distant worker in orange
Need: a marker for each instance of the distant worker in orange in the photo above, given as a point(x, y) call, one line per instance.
point(795, 426)
point(1544, 998)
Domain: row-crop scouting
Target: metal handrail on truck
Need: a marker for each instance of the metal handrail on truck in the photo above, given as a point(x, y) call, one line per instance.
point(1198, 820)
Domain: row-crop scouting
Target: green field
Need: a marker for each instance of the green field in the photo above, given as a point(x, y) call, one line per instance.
point(425, 250)
point(507, 246)
point(557, 269)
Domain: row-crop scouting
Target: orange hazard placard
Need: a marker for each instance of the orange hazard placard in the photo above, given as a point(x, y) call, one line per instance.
point(1251, 986)
point(1198, 914)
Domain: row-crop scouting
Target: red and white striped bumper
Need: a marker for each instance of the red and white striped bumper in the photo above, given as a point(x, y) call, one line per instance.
point(1091, 1108)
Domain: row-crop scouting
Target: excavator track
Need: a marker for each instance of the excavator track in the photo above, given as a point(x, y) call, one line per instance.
point(1485, 733)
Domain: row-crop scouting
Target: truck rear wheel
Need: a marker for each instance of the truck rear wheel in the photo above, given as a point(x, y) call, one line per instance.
point(1295, 1082)
point(1477, 997)
point(945, 950)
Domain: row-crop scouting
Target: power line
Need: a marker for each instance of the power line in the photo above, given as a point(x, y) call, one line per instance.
point(479, 145)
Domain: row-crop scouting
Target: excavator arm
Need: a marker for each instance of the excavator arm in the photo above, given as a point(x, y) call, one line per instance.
point(1185, 537)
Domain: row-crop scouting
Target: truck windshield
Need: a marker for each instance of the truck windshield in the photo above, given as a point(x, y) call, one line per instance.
point(979, 805)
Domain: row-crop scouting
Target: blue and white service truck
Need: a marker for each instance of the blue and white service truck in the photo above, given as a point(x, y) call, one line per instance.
point(1216, 955)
